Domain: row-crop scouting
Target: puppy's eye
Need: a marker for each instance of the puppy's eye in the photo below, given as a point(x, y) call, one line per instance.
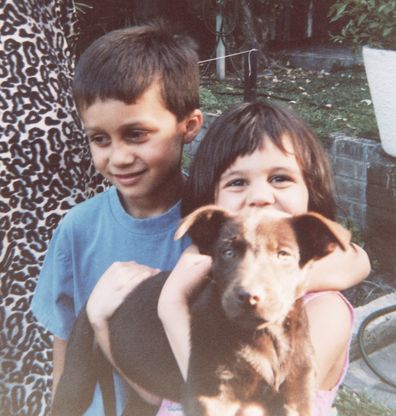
point(228, 253)
point(283, 255)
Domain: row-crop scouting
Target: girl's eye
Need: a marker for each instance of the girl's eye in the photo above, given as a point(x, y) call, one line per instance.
point(236, 182)
point(100, 140)
point(280, 179)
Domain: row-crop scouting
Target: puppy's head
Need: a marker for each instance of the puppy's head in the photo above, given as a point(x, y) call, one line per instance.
point(260, 258)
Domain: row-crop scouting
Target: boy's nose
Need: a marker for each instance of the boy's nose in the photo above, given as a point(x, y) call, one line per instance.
point(261, 195)
point(121, 155)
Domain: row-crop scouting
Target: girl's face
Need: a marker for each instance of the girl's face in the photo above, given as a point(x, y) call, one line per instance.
point(267, 178)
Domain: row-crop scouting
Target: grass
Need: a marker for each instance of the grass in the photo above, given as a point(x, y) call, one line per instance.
point(329, 102)
point(349, 403)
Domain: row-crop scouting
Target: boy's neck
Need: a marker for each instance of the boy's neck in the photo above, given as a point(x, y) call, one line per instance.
point(159, 203)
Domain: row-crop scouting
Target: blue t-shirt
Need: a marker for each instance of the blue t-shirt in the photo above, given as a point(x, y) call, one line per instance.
point(92, 236)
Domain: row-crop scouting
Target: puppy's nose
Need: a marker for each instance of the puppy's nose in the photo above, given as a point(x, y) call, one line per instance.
point(248, 298)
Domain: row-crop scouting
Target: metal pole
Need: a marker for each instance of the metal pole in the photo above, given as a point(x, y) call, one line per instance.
point(250, 75)
point(220, 49)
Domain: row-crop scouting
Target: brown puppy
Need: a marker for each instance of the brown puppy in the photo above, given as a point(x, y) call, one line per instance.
point(250, 345)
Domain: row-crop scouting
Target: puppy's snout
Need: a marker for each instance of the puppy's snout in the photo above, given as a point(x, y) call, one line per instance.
point(248, 298)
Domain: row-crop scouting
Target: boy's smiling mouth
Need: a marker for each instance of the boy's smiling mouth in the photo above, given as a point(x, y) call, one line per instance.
point(129, 178)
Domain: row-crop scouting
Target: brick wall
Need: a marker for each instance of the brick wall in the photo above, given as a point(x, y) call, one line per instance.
point(365, 180)
point(366, 193)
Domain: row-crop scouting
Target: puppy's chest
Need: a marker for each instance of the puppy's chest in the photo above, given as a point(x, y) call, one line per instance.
point(261, 361)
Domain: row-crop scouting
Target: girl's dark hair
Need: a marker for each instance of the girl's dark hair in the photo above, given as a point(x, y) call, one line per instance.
point(123, 63)
point(242, 130)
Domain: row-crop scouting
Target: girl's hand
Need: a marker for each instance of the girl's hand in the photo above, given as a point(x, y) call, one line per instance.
point(339, 270)
point(113, 287)
point(189, 273)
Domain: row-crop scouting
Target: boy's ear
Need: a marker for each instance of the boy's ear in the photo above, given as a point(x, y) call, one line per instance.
point(192, 124)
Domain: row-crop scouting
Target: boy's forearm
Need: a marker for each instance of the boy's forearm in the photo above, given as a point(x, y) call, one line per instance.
point(339, 270)
point(59, 352)
point(102, 337)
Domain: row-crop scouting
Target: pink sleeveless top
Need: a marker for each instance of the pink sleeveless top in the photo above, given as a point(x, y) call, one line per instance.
point(323, 398)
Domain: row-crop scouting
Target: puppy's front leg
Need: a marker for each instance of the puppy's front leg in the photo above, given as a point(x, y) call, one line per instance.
point(299, 392)
point(211, 406)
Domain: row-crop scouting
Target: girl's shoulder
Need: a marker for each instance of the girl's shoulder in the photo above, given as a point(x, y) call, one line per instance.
point(330, 310)
point(332, 301)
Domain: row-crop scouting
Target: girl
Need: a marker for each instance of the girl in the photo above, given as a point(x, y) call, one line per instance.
point(264, 156)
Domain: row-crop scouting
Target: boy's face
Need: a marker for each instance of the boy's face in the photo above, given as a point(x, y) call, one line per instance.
point(138, 148)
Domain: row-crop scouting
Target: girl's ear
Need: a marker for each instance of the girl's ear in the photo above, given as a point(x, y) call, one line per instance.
point(192, 125)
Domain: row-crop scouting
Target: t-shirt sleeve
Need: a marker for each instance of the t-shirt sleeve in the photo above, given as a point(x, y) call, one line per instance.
point(52, 302)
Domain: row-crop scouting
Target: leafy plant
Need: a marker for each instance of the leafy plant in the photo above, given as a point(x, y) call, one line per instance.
point(350, 403)
point(208, 100)
point(366, 22)
point(356, 233)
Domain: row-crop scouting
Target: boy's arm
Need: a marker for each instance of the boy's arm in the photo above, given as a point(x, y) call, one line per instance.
point(339, 270)
point(59, 351)
point(108, 294)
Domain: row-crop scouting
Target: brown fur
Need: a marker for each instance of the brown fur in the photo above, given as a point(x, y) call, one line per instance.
point(259, 269)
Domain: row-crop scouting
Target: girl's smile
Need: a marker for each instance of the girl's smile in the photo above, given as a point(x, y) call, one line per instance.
point(266, 178)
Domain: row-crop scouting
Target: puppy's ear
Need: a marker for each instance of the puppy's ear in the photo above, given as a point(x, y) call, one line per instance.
point(203, 226)
point(318, 236)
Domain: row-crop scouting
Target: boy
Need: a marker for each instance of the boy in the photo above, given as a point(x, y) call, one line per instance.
point(137, 91)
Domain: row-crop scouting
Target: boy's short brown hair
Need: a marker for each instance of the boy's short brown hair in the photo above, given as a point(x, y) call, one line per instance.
point(122, 64)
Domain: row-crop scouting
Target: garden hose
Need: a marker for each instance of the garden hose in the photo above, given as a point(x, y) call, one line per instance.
point(366, 321)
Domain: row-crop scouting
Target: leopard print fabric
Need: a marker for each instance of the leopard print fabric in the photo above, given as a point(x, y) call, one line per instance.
point(45, 170)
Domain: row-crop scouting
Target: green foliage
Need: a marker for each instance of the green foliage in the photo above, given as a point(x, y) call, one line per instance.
point(328, 102)
point(208, 100)
point(366, 22)
point(350, 403)
point(356, 233)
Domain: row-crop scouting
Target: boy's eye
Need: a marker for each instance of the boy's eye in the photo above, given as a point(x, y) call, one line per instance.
point(135, 136)
point(100, 140)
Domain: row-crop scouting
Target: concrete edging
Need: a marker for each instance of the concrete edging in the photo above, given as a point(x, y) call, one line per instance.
point(381, 332)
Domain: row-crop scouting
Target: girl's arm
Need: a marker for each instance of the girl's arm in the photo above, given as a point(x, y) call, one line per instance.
point(339, 270)
point(173, 302)
point(330, 346)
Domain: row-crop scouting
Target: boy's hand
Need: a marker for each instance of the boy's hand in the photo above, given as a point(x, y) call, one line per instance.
point(112, 289)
